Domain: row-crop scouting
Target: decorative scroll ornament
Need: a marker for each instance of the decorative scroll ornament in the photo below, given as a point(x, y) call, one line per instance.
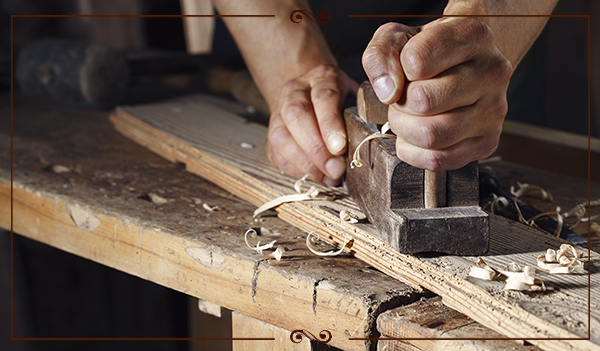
point(324, 336)
point(297, 16)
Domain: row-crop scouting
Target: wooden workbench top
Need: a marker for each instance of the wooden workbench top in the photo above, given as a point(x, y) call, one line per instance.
point(72, 170)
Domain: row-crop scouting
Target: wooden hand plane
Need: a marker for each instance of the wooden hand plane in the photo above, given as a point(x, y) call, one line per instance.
point(414, 210)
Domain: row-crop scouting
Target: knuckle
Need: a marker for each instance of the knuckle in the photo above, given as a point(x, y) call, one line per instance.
point(503, 71)
point(290, 86)
point(420, 99)
point(325, 94)
point(293, 111)
point(414, 60)
point(434, 160)
point(499, 109)
point(371, 57)
point(430, 136)
point(479, 30)
point(278, 137)
point(489, 145)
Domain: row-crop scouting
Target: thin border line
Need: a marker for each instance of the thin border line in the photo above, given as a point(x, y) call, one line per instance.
point(589, 173)
point(143, 16)
point(443, 16)
point(141, 339)
point(350, 16)
point(12, 338)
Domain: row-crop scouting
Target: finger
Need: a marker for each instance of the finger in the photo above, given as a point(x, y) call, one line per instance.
point(381, 60)
point(448, 128)
point(327, 99)
point(299, 118)
point(434, 132)
point(459, 86)
point(451, 158)
point(443, 44)
point(286, 154)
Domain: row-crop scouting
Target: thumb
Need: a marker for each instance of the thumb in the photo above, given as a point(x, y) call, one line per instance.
point(381, 60)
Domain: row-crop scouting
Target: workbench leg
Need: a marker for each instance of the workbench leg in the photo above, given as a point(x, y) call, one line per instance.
point(208, 320)
point(247, 327)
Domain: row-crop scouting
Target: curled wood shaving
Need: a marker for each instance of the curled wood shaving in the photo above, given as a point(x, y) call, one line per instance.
point(311, 194)
point(516, 278)
point(578, 212)
point(208, 208)
point(498, 203)
point(346, 217)
point(310, 239)
point(277, 254)
point(525, 188)
point(564, 261)
point(485, 272)
point(356, 160)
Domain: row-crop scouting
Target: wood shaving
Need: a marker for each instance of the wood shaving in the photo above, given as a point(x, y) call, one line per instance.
point(311, 194)
point(515, 277)
point(527, 189)
point(356, 160)
point(559, 220)
point(208, 208)
point(564, 261)
point(531, 222)
point(61, 169)
point(498, 203)
point(157, 199)
point(310, 239)
point(346, 217)
point(485, 272)
point(276, 254)
point(579, 211)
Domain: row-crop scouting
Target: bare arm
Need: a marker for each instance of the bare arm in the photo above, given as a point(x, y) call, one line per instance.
point(296, 72)
point(513, 35)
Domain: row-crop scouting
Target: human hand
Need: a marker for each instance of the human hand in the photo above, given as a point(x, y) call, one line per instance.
point(446, 84)
point(306, 133)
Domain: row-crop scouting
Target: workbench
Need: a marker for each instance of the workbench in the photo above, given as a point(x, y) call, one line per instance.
point(73, 171)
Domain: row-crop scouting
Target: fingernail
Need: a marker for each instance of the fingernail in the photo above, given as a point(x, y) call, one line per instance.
point(335, 166)
point(384, 88)
point(336, 142)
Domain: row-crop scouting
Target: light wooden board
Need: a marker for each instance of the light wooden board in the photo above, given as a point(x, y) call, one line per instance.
point(207, 139)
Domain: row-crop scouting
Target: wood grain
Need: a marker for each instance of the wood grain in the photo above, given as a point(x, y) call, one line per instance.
point(207, 140)
point(429, 325)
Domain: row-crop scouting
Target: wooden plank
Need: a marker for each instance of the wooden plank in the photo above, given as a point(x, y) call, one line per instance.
point(243, 326)
point(433, 326)
point(176, 242)
point(206, 139)
point(198, 30)
point(549, 149)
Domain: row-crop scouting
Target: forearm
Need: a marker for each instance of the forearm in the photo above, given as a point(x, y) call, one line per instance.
point(513, 35)
point(276, 50)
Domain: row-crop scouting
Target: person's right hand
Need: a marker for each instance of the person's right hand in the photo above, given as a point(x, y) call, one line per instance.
point(446, 85)
point(306, 133)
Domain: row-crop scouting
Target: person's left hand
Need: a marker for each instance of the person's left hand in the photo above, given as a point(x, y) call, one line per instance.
point(446, 84)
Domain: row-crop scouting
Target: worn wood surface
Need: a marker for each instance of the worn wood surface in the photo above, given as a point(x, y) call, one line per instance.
point(210, 147)
point(433, 326)
point(73, 171)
